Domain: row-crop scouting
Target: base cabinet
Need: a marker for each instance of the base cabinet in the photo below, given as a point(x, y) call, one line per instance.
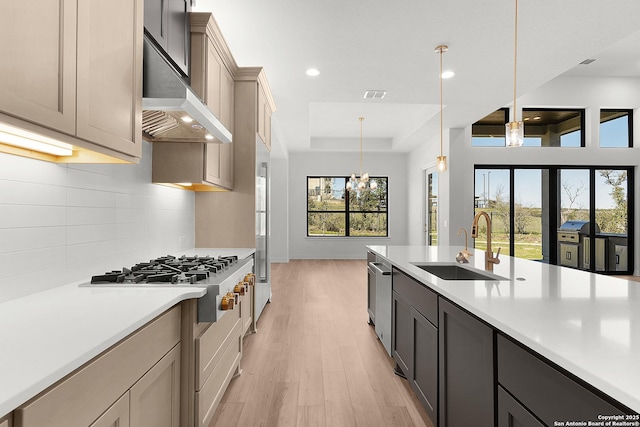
point(513, 414)
point(141, 372)
point(155, 398)
point(218, 355)
point(6, 421)
point(466, 369)
point(117, 415)
point(544, 391)
point(415, 338)
point(466, 373)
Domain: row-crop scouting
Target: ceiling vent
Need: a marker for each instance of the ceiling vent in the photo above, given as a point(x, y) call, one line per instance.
point(375, 94)
point(587, 61)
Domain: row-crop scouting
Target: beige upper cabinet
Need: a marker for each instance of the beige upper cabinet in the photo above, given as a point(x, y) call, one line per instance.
point(72, 71)
point(208, 167)
point(110, 82)
point(38, 67)
point(264, 116)
point(214, 83)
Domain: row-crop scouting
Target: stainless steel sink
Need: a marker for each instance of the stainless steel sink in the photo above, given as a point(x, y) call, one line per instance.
point(456, 272)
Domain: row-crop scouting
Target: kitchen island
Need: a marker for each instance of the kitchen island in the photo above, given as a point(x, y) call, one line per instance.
point(584, 325)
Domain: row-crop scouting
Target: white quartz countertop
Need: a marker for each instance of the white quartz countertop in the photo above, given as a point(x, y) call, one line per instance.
point(47, 335)
point(588, 324)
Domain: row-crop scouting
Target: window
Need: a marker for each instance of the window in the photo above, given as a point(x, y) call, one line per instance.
point(489, 131)
point(554, 127)
point(616, 128)
point(543, 127)
point(432, 209)
point(334, 211)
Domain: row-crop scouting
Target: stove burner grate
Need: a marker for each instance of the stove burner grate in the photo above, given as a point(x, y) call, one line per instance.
point(168, 269)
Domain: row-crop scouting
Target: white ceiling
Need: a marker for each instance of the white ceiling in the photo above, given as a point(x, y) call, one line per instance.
point(381, 45)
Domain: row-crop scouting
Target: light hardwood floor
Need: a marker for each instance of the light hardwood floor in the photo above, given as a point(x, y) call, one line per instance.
point(315, 361)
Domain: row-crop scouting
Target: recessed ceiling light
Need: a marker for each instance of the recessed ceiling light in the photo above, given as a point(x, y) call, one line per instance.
point(312, 72)
point(448, 74)
point(187, 119)
point(208, 136)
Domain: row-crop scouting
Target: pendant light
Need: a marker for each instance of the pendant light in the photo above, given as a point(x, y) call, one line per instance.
point(362, 182)
point(441, 160)
point(514, 136)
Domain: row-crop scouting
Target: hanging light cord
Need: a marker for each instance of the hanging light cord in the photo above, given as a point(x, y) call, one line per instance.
point(515, 62)
point(441, 51)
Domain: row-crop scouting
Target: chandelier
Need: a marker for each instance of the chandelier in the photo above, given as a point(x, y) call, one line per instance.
point(514, 136)
point(362, 182)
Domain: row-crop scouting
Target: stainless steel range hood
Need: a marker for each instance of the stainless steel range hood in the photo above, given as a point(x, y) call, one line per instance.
point(168, 103)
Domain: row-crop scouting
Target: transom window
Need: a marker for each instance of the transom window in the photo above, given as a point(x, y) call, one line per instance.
point(616, 128)
point(335, 211)
point(543, 127)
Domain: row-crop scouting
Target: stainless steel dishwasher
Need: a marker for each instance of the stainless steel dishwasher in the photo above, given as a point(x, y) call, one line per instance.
point(380, 286)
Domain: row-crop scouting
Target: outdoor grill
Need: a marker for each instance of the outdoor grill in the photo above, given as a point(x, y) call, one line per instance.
point(571, 238)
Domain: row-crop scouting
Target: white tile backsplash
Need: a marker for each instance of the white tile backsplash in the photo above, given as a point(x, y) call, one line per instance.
point(64, 223)
point(29, 193)
point(26, 239)
point(16, 216)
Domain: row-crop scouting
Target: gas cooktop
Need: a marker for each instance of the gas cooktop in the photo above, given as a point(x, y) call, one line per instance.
point(184, 270)
point(219, 275)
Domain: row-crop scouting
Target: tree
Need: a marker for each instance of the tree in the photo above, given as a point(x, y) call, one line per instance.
point(615, 220)
point(501, 207)
point(521, 218)
point(572, 211)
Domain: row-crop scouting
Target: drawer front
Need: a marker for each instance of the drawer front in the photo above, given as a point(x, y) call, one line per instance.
point(422, 299)
point(80, 398)
point(210, 345)
point(246, 309)
point(546, 392)
point(209, 396)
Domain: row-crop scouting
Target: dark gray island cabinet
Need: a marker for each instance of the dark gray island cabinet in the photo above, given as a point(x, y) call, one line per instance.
point(466, 373)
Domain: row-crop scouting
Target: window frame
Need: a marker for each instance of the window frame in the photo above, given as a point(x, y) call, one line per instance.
point(554, 205)
point(347, 210)
point(629, 114)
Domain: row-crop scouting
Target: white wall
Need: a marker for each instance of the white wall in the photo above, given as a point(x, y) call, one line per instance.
point(64, 223)
point(279, 210)
point(302, 165)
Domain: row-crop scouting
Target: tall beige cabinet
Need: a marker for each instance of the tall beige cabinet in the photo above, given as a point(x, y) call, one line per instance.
point(229, 219)
point(208, 167)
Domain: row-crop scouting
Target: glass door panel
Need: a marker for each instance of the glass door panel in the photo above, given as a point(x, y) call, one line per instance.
point(574, 195)
point(493, 193)
point(432, 209)
point(527, 215)
point(612, 217)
